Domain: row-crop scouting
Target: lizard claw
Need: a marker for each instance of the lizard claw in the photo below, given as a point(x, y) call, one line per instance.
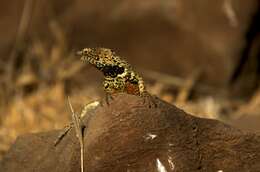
point(108, 99)
point(149, 99)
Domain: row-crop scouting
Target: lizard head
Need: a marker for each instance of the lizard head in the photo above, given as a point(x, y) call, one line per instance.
point(104, 59)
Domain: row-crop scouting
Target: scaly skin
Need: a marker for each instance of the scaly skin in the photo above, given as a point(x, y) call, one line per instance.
point(119, 76)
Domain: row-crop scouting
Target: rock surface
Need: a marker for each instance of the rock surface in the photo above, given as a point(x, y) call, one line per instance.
point(128, 135)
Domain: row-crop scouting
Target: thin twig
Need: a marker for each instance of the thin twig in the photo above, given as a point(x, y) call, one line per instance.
point(23, 26)
point(230, 13)
point(252, 107)
point(175, 81)
point(187, 87)
point(20, 36)
point(78, 128)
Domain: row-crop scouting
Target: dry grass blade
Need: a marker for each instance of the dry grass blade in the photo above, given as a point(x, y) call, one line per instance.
point(78, 128)
point(21, 33)
point(175, 81)
point(250, 108)
point(68, 72)
point(186, 89)
point(230, 13)
point(164, 78)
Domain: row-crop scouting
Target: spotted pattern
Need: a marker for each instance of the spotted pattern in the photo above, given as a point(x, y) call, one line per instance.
point(119, 76)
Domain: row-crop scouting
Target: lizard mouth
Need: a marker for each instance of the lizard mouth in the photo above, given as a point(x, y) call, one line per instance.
point(82, 56)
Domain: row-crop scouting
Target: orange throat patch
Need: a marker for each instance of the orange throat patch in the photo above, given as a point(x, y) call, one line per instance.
point(132, 88)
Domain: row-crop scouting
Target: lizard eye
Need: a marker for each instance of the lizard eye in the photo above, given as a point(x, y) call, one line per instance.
point(112, 71)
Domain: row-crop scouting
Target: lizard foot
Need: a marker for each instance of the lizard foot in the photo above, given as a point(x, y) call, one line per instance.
point(108, 99)
point(149, 99)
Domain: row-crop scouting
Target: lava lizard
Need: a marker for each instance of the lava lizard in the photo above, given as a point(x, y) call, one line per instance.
point(119, 76)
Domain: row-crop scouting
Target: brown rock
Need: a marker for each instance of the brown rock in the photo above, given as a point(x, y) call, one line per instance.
point(127, 135)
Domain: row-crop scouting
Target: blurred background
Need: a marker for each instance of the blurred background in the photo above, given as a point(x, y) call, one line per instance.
point(202, 56)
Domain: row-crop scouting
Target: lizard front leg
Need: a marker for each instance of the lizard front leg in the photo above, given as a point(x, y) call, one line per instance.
point(112, 86)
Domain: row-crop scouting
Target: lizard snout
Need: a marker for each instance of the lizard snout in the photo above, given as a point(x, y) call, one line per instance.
point(82, 54)
point(79, 53)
